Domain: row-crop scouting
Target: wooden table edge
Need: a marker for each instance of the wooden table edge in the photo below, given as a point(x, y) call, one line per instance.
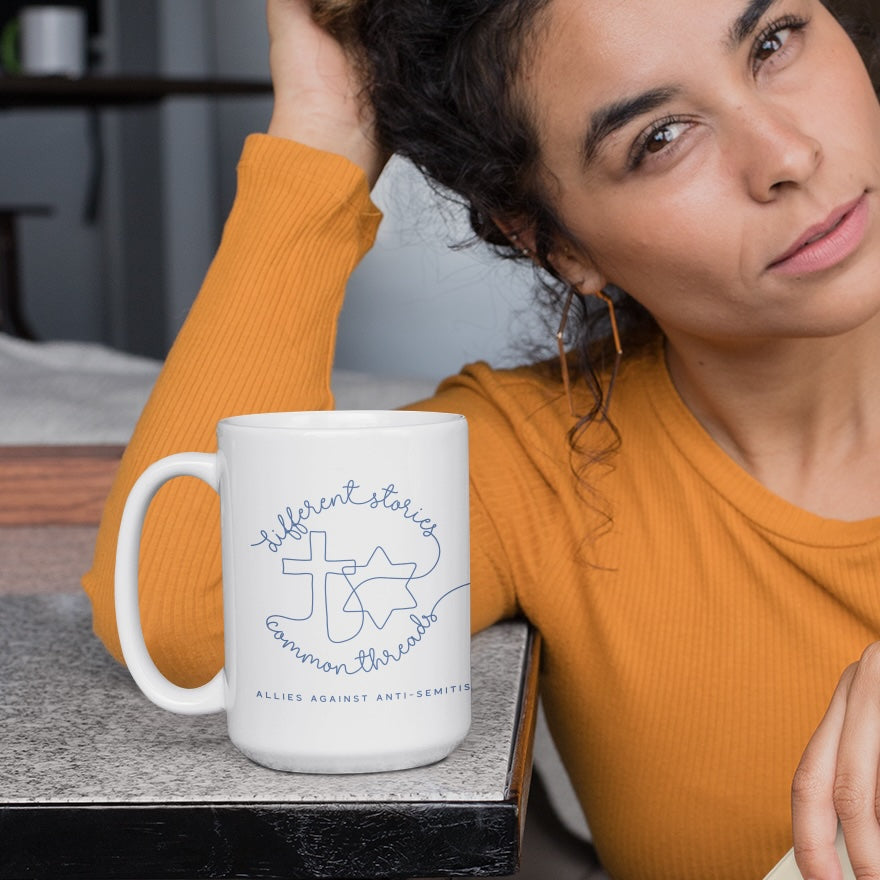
point(56, 485)
point(524, 739)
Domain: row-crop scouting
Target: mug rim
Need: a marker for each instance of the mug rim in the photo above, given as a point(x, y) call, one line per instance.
point(338, 420)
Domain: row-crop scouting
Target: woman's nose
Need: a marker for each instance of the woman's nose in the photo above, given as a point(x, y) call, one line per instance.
point(775, 151)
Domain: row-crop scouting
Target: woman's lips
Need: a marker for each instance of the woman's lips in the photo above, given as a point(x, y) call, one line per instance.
point(828, 243)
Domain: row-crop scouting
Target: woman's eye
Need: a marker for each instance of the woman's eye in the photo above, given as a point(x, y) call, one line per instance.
point(769, 46)
point(660, 137)
point(776, 40)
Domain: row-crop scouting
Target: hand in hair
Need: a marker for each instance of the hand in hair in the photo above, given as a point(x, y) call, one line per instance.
point(336, 17)
point(318, 89)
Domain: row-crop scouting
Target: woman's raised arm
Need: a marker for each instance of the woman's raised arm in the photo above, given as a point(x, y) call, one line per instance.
point(259, 338)
point(318, 88)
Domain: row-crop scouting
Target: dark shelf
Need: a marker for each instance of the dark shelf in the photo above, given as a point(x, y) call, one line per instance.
point(58, 91)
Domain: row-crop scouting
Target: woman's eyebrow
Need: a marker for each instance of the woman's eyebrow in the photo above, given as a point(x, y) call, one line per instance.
point(608, 119)
point(612, 117)
point(746, 23)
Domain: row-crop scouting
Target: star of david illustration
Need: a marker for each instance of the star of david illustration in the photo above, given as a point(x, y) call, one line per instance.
point(375, 589)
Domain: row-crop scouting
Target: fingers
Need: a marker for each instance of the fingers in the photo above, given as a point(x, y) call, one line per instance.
point(855, 792)
point(838, 777)
point(814, 818)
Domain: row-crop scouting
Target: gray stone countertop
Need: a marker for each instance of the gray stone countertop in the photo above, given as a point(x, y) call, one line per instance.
point(74, 728)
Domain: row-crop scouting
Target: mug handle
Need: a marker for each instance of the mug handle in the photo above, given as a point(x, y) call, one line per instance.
point(185, 701)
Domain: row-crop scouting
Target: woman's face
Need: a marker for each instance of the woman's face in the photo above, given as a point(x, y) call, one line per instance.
point(717, 159)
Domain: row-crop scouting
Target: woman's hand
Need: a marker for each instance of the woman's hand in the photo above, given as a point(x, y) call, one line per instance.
point(318, 92)
point(837, 778)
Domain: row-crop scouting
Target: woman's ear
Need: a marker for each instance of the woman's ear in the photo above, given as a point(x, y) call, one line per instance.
point(576, 268)
point(569, 262)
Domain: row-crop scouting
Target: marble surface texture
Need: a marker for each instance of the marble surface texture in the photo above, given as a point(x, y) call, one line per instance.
point(74, 728)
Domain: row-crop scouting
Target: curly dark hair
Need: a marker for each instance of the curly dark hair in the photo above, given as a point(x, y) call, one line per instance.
point(443, 77)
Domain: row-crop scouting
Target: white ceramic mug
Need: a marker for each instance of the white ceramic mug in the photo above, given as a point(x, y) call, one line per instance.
point(346, 595)
point(53, 41)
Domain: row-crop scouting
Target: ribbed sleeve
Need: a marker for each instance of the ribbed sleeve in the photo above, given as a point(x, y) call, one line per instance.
point(259, 338)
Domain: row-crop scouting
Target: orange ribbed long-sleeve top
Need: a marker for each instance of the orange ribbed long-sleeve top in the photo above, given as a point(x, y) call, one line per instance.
point(694, 623)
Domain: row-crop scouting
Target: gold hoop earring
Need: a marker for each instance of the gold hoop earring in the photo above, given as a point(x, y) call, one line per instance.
point(563, 359)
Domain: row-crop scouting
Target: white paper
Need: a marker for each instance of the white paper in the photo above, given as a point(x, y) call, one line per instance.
point(787, 868)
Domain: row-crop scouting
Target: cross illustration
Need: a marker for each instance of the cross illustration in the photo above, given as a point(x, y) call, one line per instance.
point(317, 566)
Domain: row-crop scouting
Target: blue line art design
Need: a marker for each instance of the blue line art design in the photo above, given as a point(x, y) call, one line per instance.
point(368, 659)
point(316, 565)
point(380, 588)
point(446, 595)
point(349, 585)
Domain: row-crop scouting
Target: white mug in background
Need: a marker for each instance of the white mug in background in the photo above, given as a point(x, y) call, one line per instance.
point(52, 41)
point(346, 569)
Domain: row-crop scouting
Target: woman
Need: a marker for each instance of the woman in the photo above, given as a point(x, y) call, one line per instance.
point(701, 551)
